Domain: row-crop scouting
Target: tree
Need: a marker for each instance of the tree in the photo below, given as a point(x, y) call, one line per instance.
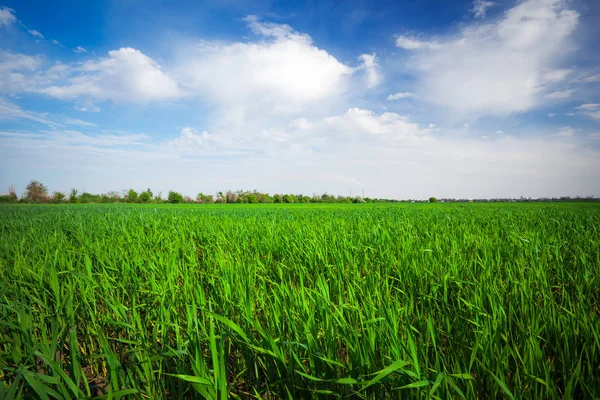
point(36, 191)
point(132, 196)
point(58, 196)
point(175, 198)
point(73, 196)
point(432, 200)
point(146, 196)
point(204, 198)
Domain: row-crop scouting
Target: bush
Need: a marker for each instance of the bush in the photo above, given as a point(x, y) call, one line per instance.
point(432, 200)
point(146, 196)
point(58, 197)
point(175, 198)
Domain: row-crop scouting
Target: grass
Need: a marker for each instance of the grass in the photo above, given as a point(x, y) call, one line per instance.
point(364, 301)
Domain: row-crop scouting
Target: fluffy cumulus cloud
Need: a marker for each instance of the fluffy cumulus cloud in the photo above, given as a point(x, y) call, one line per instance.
point(283, 69)
point(499, 67)
point(127, 75)
point(7, 16)
point(388, 126)
point(192, 142)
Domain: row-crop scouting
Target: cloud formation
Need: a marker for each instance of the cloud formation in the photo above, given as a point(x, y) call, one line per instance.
point(127, 75)
point(7, 16)
point(414, 43)
point(35, 33)
point(283, 70)
point(480, 7)
point(499, 67)
point(400, 95)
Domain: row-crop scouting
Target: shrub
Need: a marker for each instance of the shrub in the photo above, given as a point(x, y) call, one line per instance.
point(175, 198)
point(146, 196)
point(58, 197)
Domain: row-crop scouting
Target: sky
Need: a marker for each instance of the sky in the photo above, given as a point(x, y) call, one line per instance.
point(401, 99)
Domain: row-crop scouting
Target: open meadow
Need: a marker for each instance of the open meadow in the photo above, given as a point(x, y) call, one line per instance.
point(300, 301)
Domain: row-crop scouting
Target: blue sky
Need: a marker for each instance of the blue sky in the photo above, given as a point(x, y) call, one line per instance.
point(404, 99)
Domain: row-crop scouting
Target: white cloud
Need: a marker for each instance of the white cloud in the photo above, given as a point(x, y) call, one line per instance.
point(414, 43)
point(561, 94)
point(16, 71)
point(369, 64)
point(551, 115)
point(127, 75)
point(431, 126)
point(75, 121)
point(594, 136)
point(56, 42)
point(190, 141)
point(592, 78)
point(300, 123)
point(35, 33)
point(103, 140)
point(79, 49)
point(594, 114)
point(387, 127)
point(386, 153)
point(591, 110)
point(500, 67)
point(12, 112)
point(566, 132)
point(7, 16)
point(401, 95)
point(281, 73)
point(87, 105)
point(500, 132)
point(466, 125)
point(480, 8)
point(588, 107)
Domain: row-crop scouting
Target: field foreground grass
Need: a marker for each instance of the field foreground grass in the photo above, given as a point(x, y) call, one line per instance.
point(363, 301)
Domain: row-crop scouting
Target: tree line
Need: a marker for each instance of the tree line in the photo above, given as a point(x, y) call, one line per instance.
point(36, 192)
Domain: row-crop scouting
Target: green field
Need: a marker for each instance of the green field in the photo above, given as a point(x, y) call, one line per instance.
point(363, 301)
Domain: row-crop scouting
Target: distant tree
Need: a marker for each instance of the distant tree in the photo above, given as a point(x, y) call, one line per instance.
point(36, 191)
point(145, 196)
point(132, 196)
point(175, 198)
point(11, 197)
point(12, 193)
point(58, 196)
point(87, 197)
point(432, 200)
point(230, 197)
point(73, 196)
point(204, 198)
